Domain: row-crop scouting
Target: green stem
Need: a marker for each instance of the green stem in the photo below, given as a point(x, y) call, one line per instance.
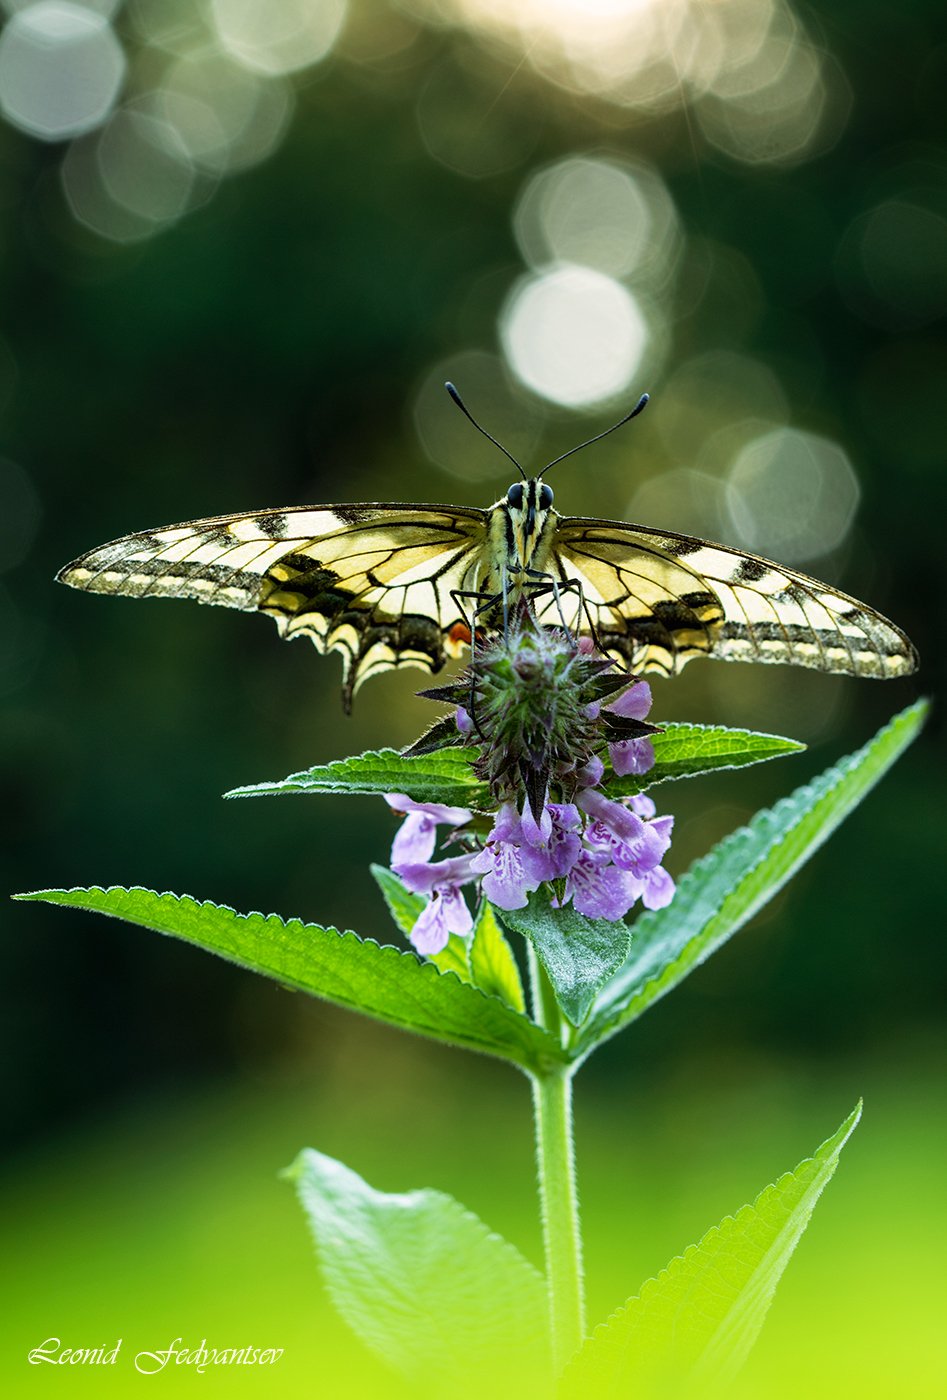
point(555, 1160)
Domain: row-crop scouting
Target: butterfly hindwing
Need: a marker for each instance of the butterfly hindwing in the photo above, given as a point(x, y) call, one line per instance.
point(371, 581)
point(658, 599)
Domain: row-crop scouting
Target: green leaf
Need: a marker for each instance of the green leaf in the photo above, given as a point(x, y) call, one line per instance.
point(423, 1282)
point(492, 963)
point(405, 909)
point(579, 954)
point(383, 982)
point(727, 887)
point(690, 1329)
point(445, 776)
point(684, 750)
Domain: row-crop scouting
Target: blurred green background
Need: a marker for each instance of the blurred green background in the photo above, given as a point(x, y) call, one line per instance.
point(242, 247)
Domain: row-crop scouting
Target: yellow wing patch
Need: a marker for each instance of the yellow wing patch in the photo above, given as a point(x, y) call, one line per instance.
point(373, 582)
point(656, 600)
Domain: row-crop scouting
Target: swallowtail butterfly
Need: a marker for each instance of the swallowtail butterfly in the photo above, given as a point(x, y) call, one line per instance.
point(386, 585)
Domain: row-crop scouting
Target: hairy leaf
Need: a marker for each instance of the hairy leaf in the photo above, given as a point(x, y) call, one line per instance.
point(445, 776)
point(691, 1328)
point(424, 1283)
point(579, 954)
point(382, 982)
point(685, 750)
point(727, 887)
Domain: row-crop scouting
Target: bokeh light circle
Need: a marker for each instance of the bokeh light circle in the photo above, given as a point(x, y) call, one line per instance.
point(749, 67)
point(144, 167)
point(282, 37)
point(681, 499)
point(121, 183)
point(226, 117)
point(791, 495)
point(61, 69)
point(573, 335)
point(709, 394)
point(892, 262)
point(774, 117)
point(600, 213)
point(465, 134)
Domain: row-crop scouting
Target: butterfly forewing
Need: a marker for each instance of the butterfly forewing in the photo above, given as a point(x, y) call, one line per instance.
point(373, 582)
point(657, 599)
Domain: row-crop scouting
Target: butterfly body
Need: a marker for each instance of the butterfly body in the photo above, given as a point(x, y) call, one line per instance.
point(520, 529)
point(385, 585)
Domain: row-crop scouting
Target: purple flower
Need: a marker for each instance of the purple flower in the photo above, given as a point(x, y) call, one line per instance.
point(416, 836)
point(633, 843)
point(599, 854)
point(599, 889)
point(422, 877)
point(642, 804)
point(445, 913)
point(633, 703)
point(552, 846)
point(505, 880)
point(592, 773)
point(658, 888)
point(632, 755)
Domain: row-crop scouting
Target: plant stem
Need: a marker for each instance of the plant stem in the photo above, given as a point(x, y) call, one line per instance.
point(555, 1160)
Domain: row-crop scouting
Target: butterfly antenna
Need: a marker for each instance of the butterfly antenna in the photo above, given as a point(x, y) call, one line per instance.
point(598, 436)
point(467, 414)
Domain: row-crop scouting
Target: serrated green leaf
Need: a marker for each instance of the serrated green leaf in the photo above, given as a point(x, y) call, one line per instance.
point(492, 964)
point(383, 982)
point(424, 1283)
point(445, 776)
point(405, 908)
point(727, 887)
point(685, 750)
point(691, 1328)
point(579, 954)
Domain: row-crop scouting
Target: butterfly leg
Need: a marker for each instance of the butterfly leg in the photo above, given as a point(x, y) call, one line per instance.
point(484, 601)
point(549, 584)
point(558, 588)
point(576, 584)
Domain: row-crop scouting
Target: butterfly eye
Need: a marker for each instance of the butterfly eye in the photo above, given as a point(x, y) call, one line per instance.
point(545, 497)
point(515, 495)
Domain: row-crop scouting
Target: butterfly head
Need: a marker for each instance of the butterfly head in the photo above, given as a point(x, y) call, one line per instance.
point(526, 508)
point(525, 515)
point(531, 499)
